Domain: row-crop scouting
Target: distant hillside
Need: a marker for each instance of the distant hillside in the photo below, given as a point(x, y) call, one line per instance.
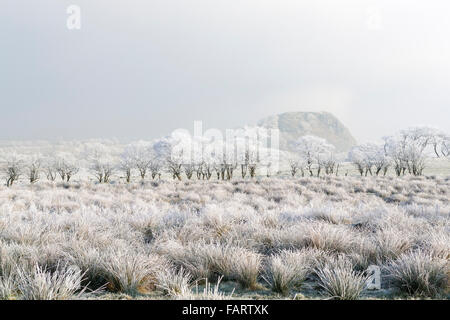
point(293, 125)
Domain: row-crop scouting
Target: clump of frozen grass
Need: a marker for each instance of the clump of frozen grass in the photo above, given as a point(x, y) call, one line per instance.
point(212, 260)
point(246, 265)
point(177, 284)
point(7, 287)
point(328, 237)
point(6, 263)
point(91, 262)
point(62, 284)
point(117, 269)
point(339, 281)
point(174, 282)
point(208, 293)
point(439, 245)
point(327, 214)
point(288, 269)
point(130, 273)
point(215, 221)
point(363, 254)
point(13, 255)
point(419, 274)
point(202, 260)
point(391, 243)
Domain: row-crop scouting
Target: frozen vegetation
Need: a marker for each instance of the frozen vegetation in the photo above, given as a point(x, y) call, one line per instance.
point(303, 238)
point(184, 217)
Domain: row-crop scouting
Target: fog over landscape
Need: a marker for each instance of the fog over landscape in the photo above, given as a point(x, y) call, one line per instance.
point(224, 150)
point(140, 69)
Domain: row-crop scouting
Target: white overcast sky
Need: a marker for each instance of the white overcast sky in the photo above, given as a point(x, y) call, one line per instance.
point(140, 69)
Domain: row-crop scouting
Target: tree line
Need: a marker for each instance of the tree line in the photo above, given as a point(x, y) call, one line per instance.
point(180, 157)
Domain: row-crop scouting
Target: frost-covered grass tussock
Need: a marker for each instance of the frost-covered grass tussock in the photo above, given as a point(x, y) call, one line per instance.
point(269, 238)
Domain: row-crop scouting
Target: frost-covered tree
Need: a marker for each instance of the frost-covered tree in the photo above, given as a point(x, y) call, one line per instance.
point(211, 158)
point(126, 165)
point(369, 158)
point(138, 154)
point(220, 157)
point(381, 161)
point(408, 149)
point(102, 170)
point(50, 169)
point(249, 159)
point(253, 150)
point(102, 163)
point(155, 167)
point(229, 163)
point(66, 167)
point(189, 169)
point(295, 164)
point(358, 158)
point(168, 150)
point(194, 159)
point(12, 170)
point(315, 151)
point(331, 164)
point(175, 168)
point(33, 168)
point(442, 145)
point(445, 146)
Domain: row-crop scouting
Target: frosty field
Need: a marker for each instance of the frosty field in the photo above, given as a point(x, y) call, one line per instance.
point(302, 238)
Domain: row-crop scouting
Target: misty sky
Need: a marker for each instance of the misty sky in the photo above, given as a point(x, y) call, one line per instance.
point(140, 69)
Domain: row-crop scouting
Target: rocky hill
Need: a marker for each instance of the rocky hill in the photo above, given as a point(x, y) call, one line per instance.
point(293, 125)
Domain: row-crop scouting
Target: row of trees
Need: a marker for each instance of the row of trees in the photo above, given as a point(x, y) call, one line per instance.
point(312, 156)
point(176, 155)
point(34, 167)
point(247, 154)
point(406, 152)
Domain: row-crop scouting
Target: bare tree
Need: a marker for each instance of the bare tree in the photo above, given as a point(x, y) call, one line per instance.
point(126, 165)
point(381, 162)
point(60, 168)
point(50, 169)
point(444, 145)
point(189, 170)
point(163, 152)
point(294, 166)
point(200, 170)
point(314, 151)
point(227, 170)
point(370, 156)
point(102, 171)
point(12, 169)
point(295, 163)
point(174, 168)
point(248, 142)
point(358, 162)
point(252, 167)
point(330, 164)
point(155, 167)
point(33, 169)
point(66, 169)
point(244, 164)
point(207, 170)
point(408, 149)
point(102, 167)
point(142, 164)
point(253, 159)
